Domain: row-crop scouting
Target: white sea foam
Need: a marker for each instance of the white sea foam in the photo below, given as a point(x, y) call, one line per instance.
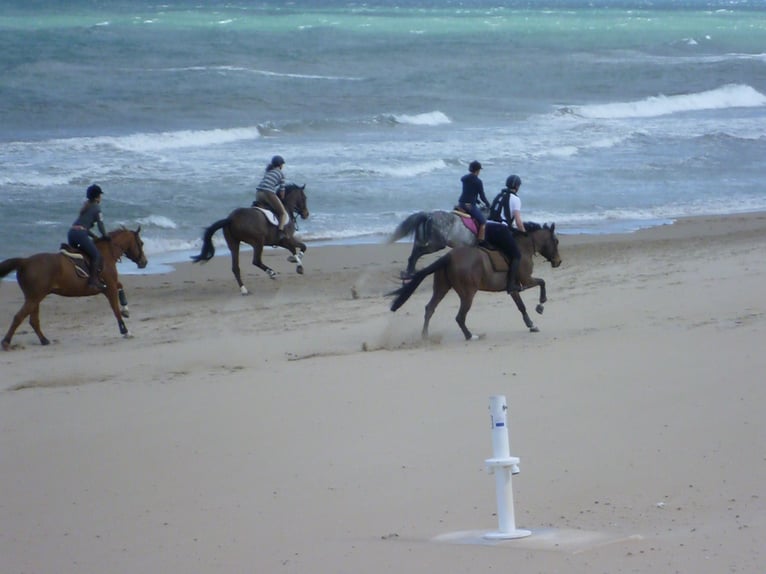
point(435, 118)
point(729, 96)
point(150, 142)
point(409, 170)
point(158, 221)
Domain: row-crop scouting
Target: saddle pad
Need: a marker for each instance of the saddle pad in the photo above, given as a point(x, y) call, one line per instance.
point(270, 217)
point(71, 254)
point(469, 222)
point(497, 258)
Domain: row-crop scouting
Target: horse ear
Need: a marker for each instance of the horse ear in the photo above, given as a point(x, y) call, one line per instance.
point(303, 187)
point(139, 228)
point(553, 227)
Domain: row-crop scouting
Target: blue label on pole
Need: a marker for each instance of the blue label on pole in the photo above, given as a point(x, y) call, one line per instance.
point(500, 424)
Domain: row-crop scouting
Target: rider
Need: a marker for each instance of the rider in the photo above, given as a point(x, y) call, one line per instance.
point(473, 190)
point(506, 209)
point(271, 191)
point(81, 237)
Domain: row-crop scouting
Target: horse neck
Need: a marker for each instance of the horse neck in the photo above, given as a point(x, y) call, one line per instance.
point(115, 248)
point(291, 201)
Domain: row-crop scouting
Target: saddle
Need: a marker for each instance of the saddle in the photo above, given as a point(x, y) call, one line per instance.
point(466, 218)
point(271, 217)
point(80, 261)
point(497, 258)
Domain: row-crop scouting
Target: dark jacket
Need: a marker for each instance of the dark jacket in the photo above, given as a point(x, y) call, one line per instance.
point(473, 190)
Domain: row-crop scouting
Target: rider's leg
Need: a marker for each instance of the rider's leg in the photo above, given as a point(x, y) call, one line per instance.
point(514, 256)
point(481, 221)
point(94, 281)
point(513, 271)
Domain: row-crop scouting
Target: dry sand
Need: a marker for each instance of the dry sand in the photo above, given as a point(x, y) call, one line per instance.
point(306, 428)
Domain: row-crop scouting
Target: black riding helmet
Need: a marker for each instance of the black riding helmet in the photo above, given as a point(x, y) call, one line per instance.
point(513, 182)
point(277, 161)
point(93, 192)
point(474, 166)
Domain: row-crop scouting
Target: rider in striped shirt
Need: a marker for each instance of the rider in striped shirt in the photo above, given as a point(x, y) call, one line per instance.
point(271, 190)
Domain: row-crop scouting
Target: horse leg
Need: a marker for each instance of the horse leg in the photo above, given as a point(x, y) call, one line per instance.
point(441, 288)
point(516, 296)
point(258, 261)
point(111, 295)
point(296, 254)
point(466, 300)
point(536, 281)
point(234, 250)
point(34, 320)
point(25, 310)
point(124, 311)
point(417, 252)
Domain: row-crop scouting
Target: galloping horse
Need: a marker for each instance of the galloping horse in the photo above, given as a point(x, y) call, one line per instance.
point(45, 273)
point(433, 231)
point(469, 269)
point(250, 225)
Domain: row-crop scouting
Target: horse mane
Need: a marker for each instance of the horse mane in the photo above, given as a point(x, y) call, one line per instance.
point(532, 226)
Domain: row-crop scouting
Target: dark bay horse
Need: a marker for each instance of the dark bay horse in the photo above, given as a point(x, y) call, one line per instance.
point(250, 225)
point(45, 273)
point(469, 269)
point(433, 231)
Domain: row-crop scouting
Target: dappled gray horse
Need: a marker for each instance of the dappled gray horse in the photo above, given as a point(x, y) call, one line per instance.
point(433, 231)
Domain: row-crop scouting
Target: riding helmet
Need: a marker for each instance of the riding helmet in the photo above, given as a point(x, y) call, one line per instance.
point(474, 166)
point(513, 182)
point(277, 161)
point(93, 192)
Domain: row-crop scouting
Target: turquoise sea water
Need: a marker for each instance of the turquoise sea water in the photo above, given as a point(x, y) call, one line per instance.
point(617, 115)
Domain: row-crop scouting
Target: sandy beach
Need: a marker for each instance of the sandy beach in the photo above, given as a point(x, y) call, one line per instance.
point(307, 428)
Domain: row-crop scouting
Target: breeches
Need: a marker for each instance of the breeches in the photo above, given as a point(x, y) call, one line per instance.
point(502, 237)
point(272, 199)
point(475, 212)
point(80, 239)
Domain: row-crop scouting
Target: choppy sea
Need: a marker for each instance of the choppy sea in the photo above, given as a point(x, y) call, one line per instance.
point(617, 115)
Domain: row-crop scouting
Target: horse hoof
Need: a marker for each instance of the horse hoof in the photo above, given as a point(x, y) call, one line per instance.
point(534, 330)
point(243, 290)
point(292, 259)
point(539, 309)
point(6, 345)
point(300, 269)
point(44, 341)
point(127, 335)
point(125, 314)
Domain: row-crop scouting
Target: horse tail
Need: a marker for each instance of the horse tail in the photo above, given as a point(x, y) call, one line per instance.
point(405, 291)
point(208, 249)
point(413, 224)
point(10, 265)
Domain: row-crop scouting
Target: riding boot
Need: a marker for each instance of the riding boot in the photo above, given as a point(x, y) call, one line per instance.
point(512, 283)
point(94, 281)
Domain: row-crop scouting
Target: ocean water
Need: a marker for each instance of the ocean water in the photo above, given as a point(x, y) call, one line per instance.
point(617, 115)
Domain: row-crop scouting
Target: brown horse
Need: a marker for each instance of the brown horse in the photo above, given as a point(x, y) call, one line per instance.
point(251, 225)
point(45, 273)
point(469, 269)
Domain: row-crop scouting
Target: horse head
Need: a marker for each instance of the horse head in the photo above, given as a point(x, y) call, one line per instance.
point(295, 200)
point(547, 244)
point(131, 244)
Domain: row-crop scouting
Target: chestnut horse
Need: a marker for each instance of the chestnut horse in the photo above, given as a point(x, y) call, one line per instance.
point(469, 269)
point(45, 273)
point(250, 225)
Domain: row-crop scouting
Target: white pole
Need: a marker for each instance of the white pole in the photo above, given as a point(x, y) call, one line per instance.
point(503, 465)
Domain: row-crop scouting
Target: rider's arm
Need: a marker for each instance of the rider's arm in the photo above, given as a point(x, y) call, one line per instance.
point(519, 222)
point(100, 223)
point(482, 196)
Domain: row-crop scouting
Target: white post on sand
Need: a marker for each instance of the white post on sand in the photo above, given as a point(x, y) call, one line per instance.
point(503, 465)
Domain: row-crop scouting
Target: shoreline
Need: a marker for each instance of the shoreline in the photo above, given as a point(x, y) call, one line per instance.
point(168, 262)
